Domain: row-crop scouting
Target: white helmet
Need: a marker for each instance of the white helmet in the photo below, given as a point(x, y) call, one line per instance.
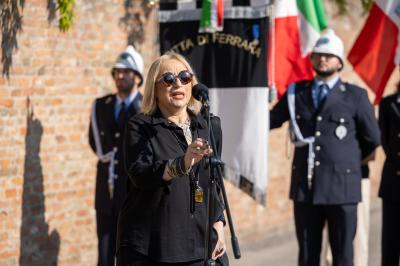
point(130, 59)
point(329, 43)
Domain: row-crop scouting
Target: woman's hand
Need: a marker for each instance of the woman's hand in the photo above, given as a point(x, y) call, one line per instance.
point(196, 151)
point(220, 247)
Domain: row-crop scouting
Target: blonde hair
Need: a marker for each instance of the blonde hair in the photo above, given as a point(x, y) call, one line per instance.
point(149, 105)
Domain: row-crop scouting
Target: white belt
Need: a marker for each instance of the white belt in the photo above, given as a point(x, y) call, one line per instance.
point(104, 158)
point(299, 140)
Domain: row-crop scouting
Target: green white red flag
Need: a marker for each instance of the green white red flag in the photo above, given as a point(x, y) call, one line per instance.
point(212, 16)
point(297, 26)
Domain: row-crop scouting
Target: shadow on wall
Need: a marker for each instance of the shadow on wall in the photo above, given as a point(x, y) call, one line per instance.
point(10, 26)
point(52, 9)
point(134, 20)
point(37, 246)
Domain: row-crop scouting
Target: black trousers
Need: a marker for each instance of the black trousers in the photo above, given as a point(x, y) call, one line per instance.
point(107, 238)
point(342, 225)
point(390, 233)
point(127, 256)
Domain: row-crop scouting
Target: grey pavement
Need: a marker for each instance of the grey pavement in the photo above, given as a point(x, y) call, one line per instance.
point(282, 250)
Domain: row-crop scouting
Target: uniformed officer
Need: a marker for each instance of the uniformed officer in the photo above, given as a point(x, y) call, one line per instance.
point(333, 127)
point(361, 238)
point(109, 116)
point(389, 191)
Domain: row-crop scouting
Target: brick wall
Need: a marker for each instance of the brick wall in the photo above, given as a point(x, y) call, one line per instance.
point(46, 167)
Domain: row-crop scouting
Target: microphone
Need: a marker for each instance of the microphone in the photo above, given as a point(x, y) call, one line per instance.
point(200, 93)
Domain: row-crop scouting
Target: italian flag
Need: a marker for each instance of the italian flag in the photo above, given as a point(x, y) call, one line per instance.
point(212, 16)
point(297, 26)
point(376, 51)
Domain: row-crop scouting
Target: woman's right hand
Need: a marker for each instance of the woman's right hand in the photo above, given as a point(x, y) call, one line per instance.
point(196, 151)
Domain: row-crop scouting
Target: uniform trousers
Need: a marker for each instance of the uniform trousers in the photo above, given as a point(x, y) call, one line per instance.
point(107, 238)
point(390, 233)
point(129, 257)
point(310, 220)
point(360, 242)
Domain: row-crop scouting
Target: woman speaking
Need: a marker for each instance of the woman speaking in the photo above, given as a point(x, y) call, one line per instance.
point(163, 218)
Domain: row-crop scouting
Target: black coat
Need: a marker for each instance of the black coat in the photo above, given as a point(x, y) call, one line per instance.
point(111, 137)
point(156, 219)
point(389, 122)
point(337, 171)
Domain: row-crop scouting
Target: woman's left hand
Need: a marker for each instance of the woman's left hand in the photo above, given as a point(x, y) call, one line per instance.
point(220, 247)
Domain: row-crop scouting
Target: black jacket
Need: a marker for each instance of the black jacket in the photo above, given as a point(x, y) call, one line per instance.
point(337, 171)
point(111, 137)
point(156, 219)
point(389, 122)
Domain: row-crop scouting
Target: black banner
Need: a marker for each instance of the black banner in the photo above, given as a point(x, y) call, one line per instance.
point(236, 57)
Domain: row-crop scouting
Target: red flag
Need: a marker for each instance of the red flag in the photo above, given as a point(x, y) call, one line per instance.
point(374, 54)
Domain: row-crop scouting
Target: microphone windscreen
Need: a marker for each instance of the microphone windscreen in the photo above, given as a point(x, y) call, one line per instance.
point(200, 92)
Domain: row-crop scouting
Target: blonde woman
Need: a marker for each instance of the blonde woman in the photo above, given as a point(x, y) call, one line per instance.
point(163, 219)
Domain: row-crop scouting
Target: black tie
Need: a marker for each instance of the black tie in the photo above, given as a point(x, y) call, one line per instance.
point(122, 116)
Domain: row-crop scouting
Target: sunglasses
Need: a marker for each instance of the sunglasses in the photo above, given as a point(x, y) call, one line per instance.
point(169, 79)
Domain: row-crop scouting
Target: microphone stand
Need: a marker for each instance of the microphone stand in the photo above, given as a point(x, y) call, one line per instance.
point(215, 172)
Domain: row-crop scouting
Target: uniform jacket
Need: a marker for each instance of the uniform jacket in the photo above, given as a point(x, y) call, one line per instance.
point(337, 171)
point(155, 219)
point(389, 122)
point(111, 138)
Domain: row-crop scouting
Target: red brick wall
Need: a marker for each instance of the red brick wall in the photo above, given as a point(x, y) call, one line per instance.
point(46, 167)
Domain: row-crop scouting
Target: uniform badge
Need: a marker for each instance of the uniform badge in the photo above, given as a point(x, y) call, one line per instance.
point(341, 132)
point(342, 88)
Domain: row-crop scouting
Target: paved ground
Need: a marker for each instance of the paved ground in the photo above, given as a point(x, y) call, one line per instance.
point(282, 251)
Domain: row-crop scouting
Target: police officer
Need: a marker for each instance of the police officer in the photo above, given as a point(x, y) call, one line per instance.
point(333, 127)
point(389, 122)
point(109, 116)
point(360, 241)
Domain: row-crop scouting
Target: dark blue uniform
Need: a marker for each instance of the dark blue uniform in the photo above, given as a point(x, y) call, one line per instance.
point(336, 181)
point(107, 208)
point(389, 122)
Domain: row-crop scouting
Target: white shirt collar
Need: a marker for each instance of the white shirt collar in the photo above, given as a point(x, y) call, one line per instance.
point(331, 82)
point(128, 100)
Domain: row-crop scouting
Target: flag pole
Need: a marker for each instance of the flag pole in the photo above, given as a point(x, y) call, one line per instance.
point(271, 55)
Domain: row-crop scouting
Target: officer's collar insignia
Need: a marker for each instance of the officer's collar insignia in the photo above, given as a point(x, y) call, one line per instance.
point(342, 88)
point(108, 100)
